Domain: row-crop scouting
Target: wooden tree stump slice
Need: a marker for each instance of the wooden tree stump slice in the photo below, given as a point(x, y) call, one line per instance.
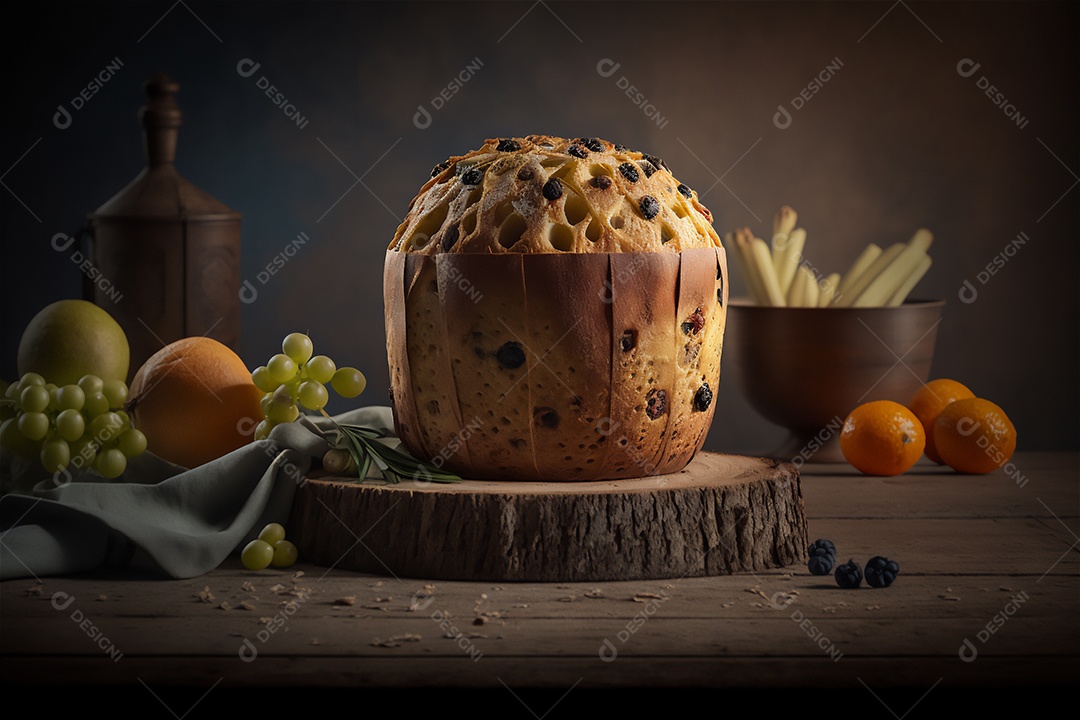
point(722, 514)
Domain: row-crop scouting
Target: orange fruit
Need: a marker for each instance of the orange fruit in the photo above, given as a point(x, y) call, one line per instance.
point(974, 436)
point(195, 401)
point(882, 438)
point(930, 401)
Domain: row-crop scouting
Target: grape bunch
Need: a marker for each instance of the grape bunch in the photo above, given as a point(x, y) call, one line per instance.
point(80, 426)
point(297, 377)
point(271, 548)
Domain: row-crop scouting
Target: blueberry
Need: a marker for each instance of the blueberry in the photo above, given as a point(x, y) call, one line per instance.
point(601, 182)
point(820, 564)
point(525, 173)
point(703, 398)
point(439, 168)
point(620, 148)
point(650, 208)
point(656, 403)
point(553, 189)
point(472, 176)
point(628, 341)
point(510, 355)
point(578, 151)
point(508, 145)
point(880, 572)
point(685, 190)
point(848, 575)
point(821, 548)
point(593, 144)
point(629, 171)
point(647, 167)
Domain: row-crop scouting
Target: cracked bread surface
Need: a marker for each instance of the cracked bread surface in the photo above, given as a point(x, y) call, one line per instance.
point(555, 310)
point(541, 194)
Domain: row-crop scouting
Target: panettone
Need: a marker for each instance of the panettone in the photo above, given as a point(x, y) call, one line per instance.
point(555, 310)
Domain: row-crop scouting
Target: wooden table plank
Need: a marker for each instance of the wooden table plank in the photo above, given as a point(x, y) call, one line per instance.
point(968, 546)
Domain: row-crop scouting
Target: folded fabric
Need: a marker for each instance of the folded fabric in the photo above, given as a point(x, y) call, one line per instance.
point(161, 518)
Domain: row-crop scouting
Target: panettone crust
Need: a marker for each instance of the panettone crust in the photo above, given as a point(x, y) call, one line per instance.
point(541, 194)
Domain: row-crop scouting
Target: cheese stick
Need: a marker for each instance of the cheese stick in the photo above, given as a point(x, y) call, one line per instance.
point(828, 290)
point(910, 281)
point(810, 294)
point(740, 259)
point(797, 292)
point(922, 239)
point(883, 261)
point(753, 279)
point(786, 255)
point(764, 266)
point(865, 259)
point(881, 288)
point(784, 221)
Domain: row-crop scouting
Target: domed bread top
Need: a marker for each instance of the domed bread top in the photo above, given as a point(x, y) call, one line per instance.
point(541, 194)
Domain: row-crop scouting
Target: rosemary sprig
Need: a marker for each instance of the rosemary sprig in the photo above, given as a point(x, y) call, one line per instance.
point(362, 444)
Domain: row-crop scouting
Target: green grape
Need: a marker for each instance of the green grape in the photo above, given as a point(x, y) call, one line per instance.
point(13, 390)
point(116, 392)
point(34, 398)
point(272, 533)
point(282, 369)
point(293, 388)
point(257, 555)
point(349, 382)
point(284, 554)
point(53, 403)
point(55, 455)
point(298, 347)
point(282, 408)
point(313, 395)
point(124, 418)
point(83, 451)
point(263, 381)
point(105, 427)
point(321, 369)
point(91, 384)
point(96, 404)
point(132, 443)
point(34, 425)
point(70, 425)
point(70, 397)
point(32, 378)
point(262, 430)
point(110, 463)
point(266, 401)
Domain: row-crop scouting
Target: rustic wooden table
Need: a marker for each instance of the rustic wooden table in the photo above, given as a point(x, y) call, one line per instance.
point(988, 597)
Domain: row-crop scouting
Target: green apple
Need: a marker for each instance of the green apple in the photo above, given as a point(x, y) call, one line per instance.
point(72, 338)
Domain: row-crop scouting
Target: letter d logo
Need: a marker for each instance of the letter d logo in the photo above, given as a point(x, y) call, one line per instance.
point(62, 118)
point(968, 652)
point(968, 293)
point(61, 600)
point(967, 67)
point(422, 118)
point(782, 118)
point(607, 67)
point(248, 293)
point(248, 652)
point(608, 652)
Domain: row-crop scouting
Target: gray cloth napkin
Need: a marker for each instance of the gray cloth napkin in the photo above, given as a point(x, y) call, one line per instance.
point(164, 519)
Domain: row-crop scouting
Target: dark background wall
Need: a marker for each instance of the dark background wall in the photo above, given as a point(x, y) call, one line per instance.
point(895, 140)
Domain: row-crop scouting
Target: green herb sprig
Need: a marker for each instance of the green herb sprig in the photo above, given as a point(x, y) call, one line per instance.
point(362, 444)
